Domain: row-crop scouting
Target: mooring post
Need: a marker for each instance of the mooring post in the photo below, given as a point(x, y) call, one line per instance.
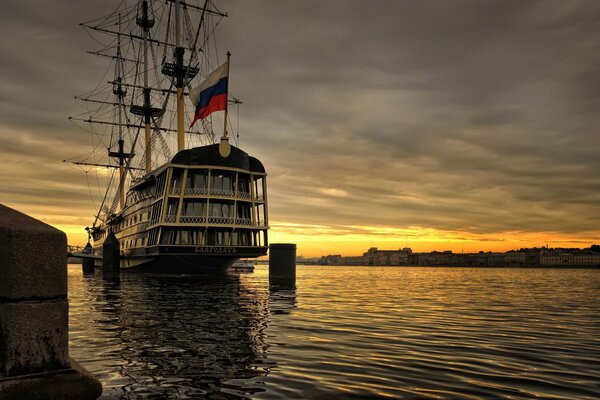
point(111, 256)
point(34, 356)
point(282, 264)
point(87, 264)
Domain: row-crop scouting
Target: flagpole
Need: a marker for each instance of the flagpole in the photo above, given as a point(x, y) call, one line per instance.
point(226, 97)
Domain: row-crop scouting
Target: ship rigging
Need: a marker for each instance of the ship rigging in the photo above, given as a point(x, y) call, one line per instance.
point(173, 194)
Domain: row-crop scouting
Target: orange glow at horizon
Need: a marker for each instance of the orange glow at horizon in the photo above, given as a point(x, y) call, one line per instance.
point(352, 240)
point(320, 240)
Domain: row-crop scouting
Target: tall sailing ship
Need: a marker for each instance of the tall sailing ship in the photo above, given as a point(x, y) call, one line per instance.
point(177, 198)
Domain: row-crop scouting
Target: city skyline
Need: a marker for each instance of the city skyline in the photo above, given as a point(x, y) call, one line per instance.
point(462, 125)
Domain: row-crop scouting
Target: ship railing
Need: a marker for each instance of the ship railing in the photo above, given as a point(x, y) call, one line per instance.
point(260, 198)
point(243, 195)
point(243, 221)
point(260, 223)
point(190, 219)
point(196, 191)
point(170, 218)
point(220, 220)
point(222, 192)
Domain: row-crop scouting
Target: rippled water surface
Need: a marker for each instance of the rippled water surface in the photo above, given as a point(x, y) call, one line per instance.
point(342, 333)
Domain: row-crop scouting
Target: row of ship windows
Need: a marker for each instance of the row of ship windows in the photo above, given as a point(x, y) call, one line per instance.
point(196, 237)
point(225, 181)
point(219, 180)
point(134, 219)
point(126, 244)
point(216, 237)
point(213, 209)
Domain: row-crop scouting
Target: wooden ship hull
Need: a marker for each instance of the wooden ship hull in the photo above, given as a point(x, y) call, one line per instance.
point(198, 213)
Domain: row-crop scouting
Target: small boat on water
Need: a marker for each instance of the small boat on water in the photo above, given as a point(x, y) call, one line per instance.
point(243, 266)
point(176, 199)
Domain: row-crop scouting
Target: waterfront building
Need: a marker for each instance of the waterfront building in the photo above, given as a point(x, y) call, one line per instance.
point(375, 256)
point(523, 257)
point(353, 260)
point(561, 258)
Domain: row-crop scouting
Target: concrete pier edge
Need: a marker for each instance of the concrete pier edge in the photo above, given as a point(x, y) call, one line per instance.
point(34, 359)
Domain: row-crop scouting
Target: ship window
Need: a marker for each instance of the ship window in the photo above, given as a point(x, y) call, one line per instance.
point(156, 208)
point(167, 236)
point(200, 180)
point(200, 238)
point(217, 182)
point(226, 238)
point(258, 188)
point(242, 184)
point(195, 208)
point(172, 207)
point(260, 214)
point(243, 238)
point(210, 237)
point(222, 180)
point(196, 180)
point(221, 209)
point(177, 175)
point(183, 237)
point(243, 211)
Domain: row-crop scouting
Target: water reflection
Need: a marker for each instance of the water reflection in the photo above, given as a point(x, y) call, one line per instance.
point(282, 296)
point(179, 336)
point(343, 332)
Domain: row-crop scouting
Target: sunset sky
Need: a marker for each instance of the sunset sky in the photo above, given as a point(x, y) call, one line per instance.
point(448, 125)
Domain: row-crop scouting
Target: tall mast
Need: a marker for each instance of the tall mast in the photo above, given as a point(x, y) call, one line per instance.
point(226, 99)
point(145, 24)
point(120, 93)
point(120, 97)
point(224, 147)
point(146, 111)
point(180, 72)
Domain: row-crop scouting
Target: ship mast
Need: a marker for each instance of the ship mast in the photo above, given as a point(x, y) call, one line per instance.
point(146, 24)
point(120, 93)
point(179, 51)
point(135, 86)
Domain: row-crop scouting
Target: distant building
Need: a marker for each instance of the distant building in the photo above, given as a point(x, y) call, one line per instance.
point(375, 256)
point(523, 257)
point(531, 257)
point(582, 258)
point(353, 260)
point(331, 259)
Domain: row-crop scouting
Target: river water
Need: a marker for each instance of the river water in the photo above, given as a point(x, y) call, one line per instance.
point(342, 333)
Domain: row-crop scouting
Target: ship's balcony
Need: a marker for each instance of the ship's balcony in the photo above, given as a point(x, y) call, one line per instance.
point(176, 191)
point(221, 220)
point(194, 191)
point(191, 219)
point(186, 219)
point(221, 192)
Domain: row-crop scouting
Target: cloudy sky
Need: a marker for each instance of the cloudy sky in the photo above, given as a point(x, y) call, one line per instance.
point(463, 125)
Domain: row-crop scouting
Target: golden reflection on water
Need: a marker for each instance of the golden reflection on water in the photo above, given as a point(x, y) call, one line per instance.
point(343, 332)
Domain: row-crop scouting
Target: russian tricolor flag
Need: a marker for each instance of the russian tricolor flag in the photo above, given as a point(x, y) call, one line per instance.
point(211, 95)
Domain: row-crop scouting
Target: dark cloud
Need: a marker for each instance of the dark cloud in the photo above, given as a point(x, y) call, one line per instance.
point(475, 116)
